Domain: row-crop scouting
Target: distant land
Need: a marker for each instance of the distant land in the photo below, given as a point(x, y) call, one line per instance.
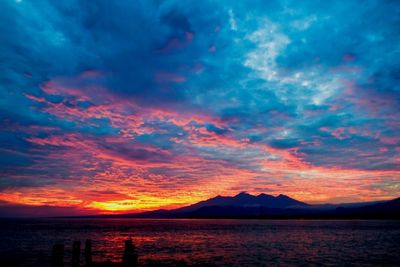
point(263, 206)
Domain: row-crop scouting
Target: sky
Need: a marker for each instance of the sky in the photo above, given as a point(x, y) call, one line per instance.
point(115, 106)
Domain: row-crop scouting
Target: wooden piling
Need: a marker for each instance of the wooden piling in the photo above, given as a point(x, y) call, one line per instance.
point(88, 252)
point(76, 253)
point(130, 258)
point(58, 255)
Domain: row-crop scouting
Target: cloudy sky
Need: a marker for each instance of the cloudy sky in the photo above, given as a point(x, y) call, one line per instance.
point(136, 105)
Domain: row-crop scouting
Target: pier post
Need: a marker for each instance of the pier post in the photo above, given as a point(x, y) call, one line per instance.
point(57, 256)
point(88, 252)
point(76, 253)
point(130, 258)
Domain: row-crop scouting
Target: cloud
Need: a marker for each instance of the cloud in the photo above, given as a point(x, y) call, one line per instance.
point(164, 103)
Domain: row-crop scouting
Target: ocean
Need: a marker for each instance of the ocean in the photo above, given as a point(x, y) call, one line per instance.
point(204, 242)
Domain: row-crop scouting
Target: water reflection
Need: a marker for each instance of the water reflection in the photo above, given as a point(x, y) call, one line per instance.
point(213, 242)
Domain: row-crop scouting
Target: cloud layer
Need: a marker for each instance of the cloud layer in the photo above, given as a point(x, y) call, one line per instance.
point(136, 105)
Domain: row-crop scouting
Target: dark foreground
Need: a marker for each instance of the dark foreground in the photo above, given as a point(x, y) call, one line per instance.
point(207, 242)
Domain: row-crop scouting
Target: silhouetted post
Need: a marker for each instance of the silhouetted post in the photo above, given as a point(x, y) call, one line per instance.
point(88, 252)
point(76, 253)
point(57, 256)
point(130, 258)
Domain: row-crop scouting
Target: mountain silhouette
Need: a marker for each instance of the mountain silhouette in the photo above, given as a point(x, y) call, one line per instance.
point(244, 199)
point(391, 207)
point(263, 206)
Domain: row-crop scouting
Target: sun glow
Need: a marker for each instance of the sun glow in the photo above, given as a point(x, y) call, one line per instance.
point(142, 204)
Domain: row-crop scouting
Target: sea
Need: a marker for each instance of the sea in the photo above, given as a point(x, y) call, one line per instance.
point(207, 242)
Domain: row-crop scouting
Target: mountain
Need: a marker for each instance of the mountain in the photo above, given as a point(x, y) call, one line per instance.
point(244, 199)
point(387, 209)
point(264, 206)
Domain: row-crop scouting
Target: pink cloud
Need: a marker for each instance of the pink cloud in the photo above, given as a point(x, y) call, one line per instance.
point(212, 49)
point(348, 57)
point(162, 77)
point(177, 43)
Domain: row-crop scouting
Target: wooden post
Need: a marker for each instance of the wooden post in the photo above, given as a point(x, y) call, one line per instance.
point(76, 253)
point(58, 256)
point(88, 252)
point(130, 258)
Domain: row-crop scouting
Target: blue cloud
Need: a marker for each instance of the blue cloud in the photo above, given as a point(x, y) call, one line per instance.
point(155, 80)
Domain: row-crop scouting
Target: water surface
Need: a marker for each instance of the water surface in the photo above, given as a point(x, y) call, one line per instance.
point(210, 242)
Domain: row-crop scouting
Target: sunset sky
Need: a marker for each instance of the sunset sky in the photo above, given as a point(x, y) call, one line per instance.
point(116, 106)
